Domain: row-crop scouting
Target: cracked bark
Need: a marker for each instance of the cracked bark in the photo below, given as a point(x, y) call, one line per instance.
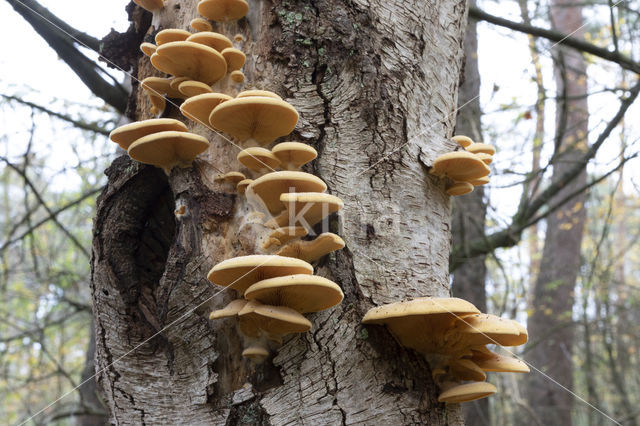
point(370, 79)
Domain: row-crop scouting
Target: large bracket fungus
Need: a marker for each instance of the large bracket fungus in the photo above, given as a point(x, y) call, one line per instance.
point(452, 335)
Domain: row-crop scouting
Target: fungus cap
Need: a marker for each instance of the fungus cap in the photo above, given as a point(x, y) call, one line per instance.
point(239, 273)
point(486, 158)
point(200, 24)
point(258, 159)
point(263, 93)
point(223, 10)
point(234, 57)
point(212, 39)
point(303, 293)
point(189, 59)
point(230, 310)
point(294, 155)
point(192, 88)
point(150, 5)
point(484, 148)
point(310, 251)
point(423, 323)
point(148, 48)
point(491, 361)
point(171, 34)
point(260, 118)
point(159, 86)
point(460, 166)
point(129, 133)
point(199, 107)
point(231, 177)
point(285, 234)
point(273, 320)
point(256, 353)
point(463, 141)
point(241, 187)
point(168, 149)
point(482, 329)
point(459, 188)
point(467, 392)
point(306, 208)
point(237, 76)
point(480, 181)
point(466, 369)
point(271, 186)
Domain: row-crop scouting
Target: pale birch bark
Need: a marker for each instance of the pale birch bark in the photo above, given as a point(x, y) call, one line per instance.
point(370, 79)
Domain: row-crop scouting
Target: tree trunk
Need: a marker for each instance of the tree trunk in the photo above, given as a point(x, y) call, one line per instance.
point(370, 80)
point(469, 211)
point(551, 325)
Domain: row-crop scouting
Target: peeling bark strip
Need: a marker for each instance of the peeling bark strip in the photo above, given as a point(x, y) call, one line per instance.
point(375, 84)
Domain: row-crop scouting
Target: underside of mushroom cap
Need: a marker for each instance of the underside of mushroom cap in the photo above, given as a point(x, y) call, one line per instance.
point(270, 187)
point(463, 141)
point(230, 310)
point(294, 155)
point(484, 148)
point(285, 234)
point(466, 369)
point(258, 159)
point(212, 39)
point(272, 320)
point(234, 57)
point(240, 273)
point(459, 188)
point(480, 181)
point(241, 187)
point(467, 392)
point(171, 34)
point(168, 149)
point(303, 293)
point(198, 108)
point(460, 166)
point(491, 361)
point(305, 208)
point(259, 118)
point(231, 177)
point(482, 329)
point(129, 133)
point(159, 86)
point(310, 251)
point(189, 59)
point(223, 10)
point(192, 88)
point(256, 353)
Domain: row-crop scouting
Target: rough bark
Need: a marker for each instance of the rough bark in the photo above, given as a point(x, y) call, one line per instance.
point(370, 79)
point(550, 325)
point(469, 211)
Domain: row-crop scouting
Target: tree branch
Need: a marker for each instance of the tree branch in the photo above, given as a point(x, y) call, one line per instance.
point(61, 38)
point(558, 37)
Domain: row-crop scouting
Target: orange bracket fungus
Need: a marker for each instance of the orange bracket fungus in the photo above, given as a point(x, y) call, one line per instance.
point(452, 335)
point(223, 10)
point(200, 24)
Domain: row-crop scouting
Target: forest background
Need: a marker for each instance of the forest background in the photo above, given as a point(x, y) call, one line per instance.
point(54, 149)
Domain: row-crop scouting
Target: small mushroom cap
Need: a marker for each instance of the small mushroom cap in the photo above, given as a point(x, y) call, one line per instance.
point(159, 86)
point(150, 5)
point(237, 76)
point(192, 88)
point(459, 188)
point(129, 133)
point(302, 292)
point(482, 329)
point(158, 104)
point(234, 57)
point(212, 39)
point(467, 392)
point(223, 10)
point(285, 234)
point(260, 118)
point(199, 107)
point(463, 141)
point(466, 369)
point(232, 177)
point(460, 166)
point(189, 59)
point(258, 159)
point(480, 181)
point(491, 361)
point(200, 24)
point(306, 208)
point(273, 320)
point(263, 93)
point(294, 155)
point(239, 273)
point(484, 148)
point(486, 158)
point(167, 149)
point(423, 323)
point(148, 48)
point(230, 310)
point(256, 353)
point(310, 251)
point(171, 34)
point(241, 187)
point(175, 82)
point(271, 186)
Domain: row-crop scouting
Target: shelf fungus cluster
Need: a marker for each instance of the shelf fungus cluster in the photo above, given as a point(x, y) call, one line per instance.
point(161, 142)
point(453, 336)
point(465, 169)
point(275, 292)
